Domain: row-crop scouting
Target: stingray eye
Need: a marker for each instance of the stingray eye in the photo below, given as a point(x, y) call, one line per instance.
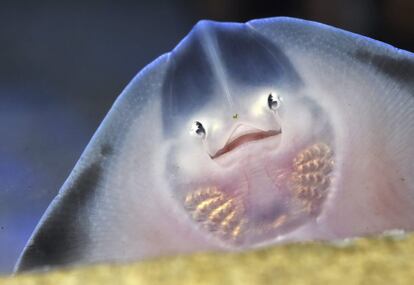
point(273, 102)
point(198, 129)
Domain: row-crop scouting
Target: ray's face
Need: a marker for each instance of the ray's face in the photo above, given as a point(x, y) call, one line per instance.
point(250, 154)
point(220, 133)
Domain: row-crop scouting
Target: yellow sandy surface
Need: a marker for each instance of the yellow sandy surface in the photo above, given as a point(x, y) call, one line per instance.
point(386, 260)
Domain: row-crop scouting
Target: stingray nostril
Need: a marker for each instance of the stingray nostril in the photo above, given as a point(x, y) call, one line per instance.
point(198, 129)
point(273, 102)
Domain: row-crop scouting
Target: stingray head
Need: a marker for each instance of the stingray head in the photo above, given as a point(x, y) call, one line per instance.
point(238, 122)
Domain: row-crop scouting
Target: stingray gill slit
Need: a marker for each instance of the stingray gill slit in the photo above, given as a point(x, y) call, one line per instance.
point(228, 216)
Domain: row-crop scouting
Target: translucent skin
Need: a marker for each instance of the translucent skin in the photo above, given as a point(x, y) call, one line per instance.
point(333, 160)
point(262, 197)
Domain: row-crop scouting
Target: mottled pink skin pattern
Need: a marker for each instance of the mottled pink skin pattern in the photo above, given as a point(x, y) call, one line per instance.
point(258, 179)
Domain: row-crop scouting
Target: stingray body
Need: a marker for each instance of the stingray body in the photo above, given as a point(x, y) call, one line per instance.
point(244, 135)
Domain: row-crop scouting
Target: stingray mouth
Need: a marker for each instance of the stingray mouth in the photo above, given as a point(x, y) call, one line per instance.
point(235, 142)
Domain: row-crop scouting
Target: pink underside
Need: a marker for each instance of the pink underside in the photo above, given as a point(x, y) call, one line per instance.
point(257, 173)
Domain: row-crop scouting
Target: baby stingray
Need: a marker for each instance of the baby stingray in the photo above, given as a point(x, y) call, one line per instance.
point(244, 135)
